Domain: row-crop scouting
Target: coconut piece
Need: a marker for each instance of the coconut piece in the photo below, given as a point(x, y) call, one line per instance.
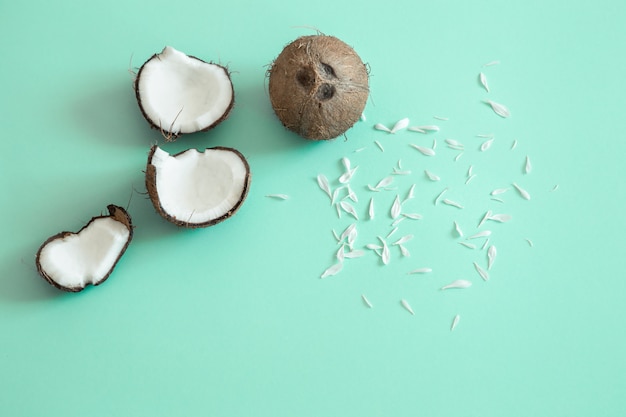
point(71, 261)
point(197, 189)
point(179, 93)
point(318, 87)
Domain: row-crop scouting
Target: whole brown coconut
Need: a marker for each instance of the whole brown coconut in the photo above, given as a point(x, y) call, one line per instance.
point(318, 87)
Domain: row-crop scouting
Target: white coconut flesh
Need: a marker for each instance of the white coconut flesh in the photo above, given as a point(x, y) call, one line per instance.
point(74, 260)
point(197, 188)
point(183, 94)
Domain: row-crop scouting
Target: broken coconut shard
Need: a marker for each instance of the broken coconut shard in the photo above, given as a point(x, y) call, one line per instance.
point(180, 94)
point(318, 87)
point(71, 261)
point(197, 189)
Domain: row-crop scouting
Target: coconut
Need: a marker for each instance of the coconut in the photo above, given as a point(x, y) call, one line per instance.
point(71, 261)
point(197, 189)
point(318, 87)
point(178, 93)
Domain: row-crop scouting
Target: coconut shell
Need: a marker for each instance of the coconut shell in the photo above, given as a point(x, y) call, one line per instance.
point(318, 87)
point(151, 187)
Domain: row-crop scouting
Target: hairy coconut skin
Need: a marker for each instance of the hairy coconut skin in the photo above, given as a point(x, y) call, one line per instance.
point(118, 214)
point(165, 130)
point(151, 186)
point(318, 87)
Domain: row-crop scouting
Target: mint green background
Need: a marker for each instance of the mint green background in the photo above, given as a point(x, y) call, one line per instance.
point(234, 320)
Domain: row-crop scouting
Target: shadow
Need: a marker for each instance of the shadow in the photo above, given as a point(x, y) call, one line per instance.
point(108, 111)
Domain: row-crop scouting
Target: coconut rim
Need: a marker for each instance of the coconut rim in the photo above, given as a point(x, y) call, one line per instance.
point(151, 186)
point(118, 214)
point(166, 130)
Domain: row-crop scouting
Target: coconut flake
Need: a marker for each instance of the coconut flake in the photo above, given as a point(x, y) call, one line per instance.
point(488, 64)
point(332, 270)
point(420, 271)
point(499, 191)
point(371, 209)
point(432, 176)
point(366, 301)
point(458, 229)
point(467, 245)
point(486, 145)
point(424, 150)
point(459, 283)
point(412, 216)
point(528, 166)
point(407, 306)
point(380, 126)
point(456, 158)
point(347, 232)
point(483, 274)
point(500, 109)
point(278, 196)
point(454, 144)
point(478, 235)
point(485, 218)
point(483, 81)
point(522, 192)
point(530, 242)
point(348, 208)
point(400, 124)
point(491, 256)
point(353, 254)
point(379, 146)
point(425, 128)
point(340, 253)
point(396, 208)
point(384, 182)
point(322, 181)
point(455, 322)
point(404, 251)
point(501, 218)
point(385, 253)
point(441, 118)
point(394, 230)
point(452, 203)
point(402, 240)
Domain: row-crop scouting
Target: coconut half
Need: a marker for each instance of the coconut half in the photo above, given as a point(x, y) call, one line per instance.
point(178, 93)
point(197, 189)
point(71, 261)
point(318, 87)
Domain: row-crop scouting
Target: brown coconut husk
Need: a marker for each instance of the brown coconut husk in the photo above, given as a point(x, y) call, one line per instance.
point(318, 87)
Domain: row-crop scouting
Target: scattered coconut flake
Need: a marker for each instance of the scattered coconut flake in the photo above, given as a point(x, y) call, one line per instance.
point(528, 166)
point(491, 256)
point(348, 208)
point(373, 246)
point(379, 146)
point(366, 301)
point(396, 208)
point(500, 109)
point(441, 118)
point(385, 254)
point(407, 306)
point(483, 274)
point(347, 176)
point(459, 283)
point(485, 244)
point(514, 145)
point(380, 126)
point(353, 254)
point(458, 229)
point(499, 200)
point(278, 196)
point(347, 232)
point(337, 238)
point(485, 217)
point(412, 216)
point(470, 170)
point(456, 158)
point(401, 172)
point(455, 322)
point(502, 218)
point(432, 176)
point(467, 245)
point(478, 235)
point(340, 253)
point(359, 150)
point(351, 194)
point(371, 209)
point(470, 178)
point(455, 144)
point(483, 81)
point(499, 191)
point(322, 181)
point(397, 221)
point(424, 150)
point(452, 203)
point(394, 230)
point(404, 251)
point(410, 194)
point(440, 195)
point(522, 192)
point(384, 182)
point(420, 271)
point(556, 187)
point(363, 118)
point(424, 128)
point(400, 124)
point(333, 270)
point(338, 210)
point(530, 242)
point(488, 64)
point(486, 145)
point(402, 240)
point(346, 163)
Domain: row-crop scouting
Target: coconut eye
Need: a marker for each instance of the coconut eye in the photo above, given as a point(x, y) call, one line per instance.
point(325, 92)
point(306, 78)
point(328, 70)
